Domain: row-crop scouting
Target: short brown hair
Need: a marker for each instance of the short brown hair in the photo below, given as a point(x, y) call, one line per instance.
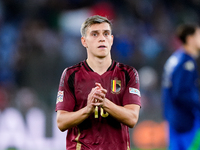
point(93, 20)
point(185, 30)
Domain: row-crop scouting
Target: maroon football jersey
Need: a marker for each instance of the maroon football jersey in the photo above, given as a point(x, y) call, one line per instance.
point(100, 131)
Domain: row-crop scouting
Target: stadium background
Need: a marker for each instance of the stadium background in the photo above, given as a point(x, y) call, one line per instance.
point(39, 38)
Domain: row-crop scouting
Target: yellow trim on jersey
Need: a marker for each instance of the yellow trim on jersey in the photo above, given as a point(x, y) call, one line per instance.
point(128, 148)
point(78, 146)
point(114, 85)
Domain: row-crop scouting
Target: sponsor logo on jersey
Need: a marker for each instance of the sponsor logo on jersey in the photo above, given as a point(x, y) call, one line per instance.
point(60, 96)
point(134, 91)
point(115, 86)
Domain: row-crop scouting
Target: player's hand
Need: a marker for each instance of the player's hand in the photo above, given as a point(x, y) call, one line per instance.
point(99, 95)
point(91, 100)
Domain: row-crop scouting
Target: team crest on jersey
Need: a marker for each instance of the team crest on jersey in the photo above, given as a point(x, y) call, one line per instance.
point(60, 96)
point(115, 86)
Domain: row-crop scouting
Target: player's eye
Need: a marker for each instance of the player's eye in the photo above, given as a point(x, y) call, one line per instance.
point(106, 33)
point(94, 34)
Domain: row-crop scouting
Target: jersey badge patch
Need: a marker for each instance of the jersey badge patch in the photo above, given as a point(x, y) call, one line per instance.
point(134, 91)
point(189, 66)
point(60, 96)
point(115, 86)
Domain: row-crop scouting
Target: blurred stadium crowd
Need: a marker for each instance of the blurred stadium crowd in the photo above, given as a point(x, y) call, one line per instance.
point(40, 38)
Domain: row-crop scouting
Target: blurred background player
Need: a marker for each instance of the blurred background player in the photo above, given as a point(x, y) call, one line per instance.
point(180, 91)
point(99, 98)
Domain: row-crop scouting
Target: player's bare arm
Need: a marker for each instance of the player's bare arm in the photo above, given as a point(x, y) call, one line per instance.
point(127, 114)
point(66, 120)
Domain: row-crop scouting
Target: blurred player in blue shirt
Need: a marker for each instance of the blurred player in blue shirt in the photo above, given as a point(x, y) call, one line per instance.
point(180, 91)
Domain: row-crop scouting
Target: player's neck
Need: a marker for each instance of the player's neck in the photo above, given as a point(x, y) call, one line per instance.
point(191, 51)
point(99, 65)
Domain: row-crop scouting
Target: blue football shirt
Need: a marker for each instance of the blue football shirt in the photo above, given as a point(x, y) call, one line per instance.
point(180, 91)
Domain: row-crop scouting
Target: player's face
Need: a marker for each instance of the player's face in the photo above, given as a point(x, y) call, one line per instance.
point(98, 40)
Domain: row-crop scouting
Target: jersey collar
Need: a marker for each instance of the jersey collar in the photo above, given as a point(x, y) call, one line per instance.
point(87, 67)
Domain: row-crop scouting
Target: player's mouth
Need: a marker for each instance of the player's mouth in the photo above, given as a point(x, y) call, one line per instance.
point(102, 46)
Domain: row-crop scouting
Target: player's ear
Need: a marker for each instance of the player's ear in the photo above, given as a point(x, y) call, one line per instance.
point(83, 41)
point(112, 39)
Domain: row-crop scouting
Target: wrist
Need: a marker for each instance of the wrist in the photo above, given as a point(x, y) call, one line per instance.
point(87, 111)
point(106, 103)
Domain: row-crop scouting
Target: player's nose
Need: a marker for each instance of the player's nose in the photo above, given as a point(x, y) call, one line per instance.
point(101, 38)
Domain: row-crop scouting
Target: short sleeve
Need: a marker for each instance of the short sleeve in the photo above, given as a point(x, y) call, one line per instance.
point(65, 97)
point(132, 91)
